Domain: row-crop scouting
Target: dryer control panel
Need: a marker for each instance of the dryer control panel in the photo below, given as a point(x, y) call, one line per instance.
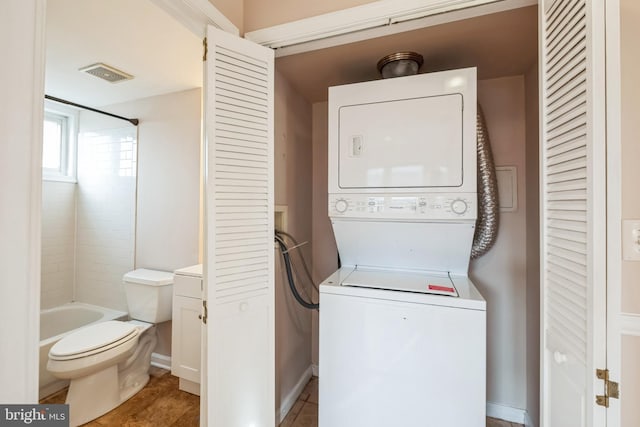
point(452, 206)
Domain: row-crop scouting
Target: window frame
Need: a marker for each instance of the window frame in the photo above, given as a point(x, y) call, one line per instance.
point(68, 117)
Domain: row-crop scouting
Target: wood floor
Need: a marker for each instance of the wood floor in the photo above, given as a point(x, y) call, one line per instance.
point(304, 412)
point(161, 404)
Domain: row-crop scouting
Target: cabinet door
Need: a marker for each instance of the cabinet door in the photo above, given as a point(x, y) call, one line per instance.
point(185, 338)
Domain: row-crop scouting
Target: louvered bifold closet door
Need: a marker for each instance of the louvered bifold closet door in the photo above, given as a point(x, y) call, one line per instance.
point(572, 200)
point(239, 231)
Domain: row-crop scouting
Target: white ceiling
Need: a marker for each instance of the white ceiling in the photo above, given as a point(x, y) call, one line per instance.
point(136, 37)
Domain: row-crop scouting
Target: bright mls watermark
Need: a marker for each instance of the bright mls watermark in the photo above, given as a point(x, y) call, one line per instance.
point(34, 415)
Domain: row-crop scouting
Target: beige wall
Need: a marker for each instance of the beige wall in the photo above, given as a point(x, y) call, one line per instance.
point(233, 10)
point(266, 13)
point(292, 189)
point(630, 34)
point(630, 61)
point(501, 273)
point(630, 382)
point(250, 15)
point(325, 259)
point(532, 177)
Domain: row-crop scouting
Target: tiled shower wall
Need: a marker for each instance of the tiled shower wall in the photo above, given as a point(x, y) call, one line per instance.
point(88, 227)
point(105, 216)
point(58, 242)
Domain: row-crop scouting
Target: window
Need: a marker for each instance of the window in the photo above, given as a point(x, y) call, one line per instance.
point(58, 144)
point(54, 143)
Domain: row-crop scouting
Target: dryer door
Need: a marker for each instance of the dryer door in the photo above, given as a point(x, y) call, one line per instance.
point(407, 143)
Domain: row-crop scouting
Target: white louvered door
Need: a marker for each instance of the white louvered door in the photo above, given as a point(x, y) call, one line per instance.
point(240, 330)
point(573, 207)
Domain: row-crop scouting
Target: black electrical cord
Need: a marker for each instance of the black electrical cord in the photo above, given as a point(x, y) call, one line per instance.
point(287, 264)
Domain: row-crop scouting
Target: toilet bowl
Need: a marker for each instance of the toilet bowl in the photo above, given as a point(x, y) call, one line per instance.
point(107, 363)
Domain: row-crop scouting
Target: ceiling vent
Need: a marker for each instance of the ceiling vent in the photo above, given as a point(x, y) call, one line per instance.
point(105, 72)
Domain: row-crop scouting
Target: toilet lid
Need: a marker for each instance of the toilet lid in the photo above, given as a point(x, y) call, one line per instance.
point(93, 339)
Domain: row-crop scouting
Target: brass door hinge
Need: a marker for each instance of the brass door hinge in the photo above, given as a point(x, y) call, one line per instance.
point(611, 388)
point(206, 49)
point(205, 312)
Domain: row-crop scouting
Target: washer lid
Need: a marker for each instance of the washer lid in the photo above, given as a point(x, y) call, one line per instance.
point(149, 277)
point(93, 339)
point(417, 282)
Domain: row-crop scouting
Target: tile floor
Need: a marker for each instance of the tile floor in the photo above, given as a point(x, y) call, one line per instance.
point(161, 404)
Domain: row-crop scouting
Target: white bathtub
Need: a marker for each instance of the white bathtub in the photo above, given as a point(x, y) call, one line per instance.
point(57, 322)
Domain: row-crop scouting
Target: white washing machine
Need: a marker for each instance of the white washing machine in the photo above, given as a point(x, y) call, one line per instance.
point(402, 328)
point(391, 355)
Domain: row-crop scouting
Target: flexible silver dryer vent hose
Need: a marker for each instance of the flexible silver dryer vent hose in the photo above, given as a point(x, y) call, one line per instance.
point(488, 209)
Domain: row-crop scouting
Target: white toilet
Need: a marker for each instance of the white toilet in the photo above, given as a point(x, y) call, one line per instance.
point(108, 362)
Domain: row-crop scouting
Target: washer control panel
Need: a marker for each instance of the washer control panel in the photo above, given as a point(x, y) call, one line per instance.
point(418, 207)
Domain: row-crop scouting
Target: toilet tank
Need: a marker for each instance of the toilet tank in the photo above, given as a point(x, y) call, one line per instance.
point(149, 294)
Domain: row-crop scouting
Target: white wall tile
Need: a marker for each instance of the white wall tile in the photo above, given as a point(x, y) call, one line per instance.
point(58, 248)
point(105, 209)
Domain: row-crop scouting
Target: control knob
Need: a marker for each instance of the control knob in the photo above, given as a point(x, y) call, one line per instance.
point(459, 206)
point(341, 205)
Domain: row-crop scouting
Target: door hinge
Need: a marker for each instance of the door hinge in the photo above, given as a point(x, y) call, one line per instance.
point(205, 312)
point(205, 48)
point(611, 388)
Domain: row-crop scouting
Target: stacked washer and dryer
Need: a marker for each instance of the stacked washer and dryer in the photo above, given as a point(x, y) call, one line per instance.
point(402, 328)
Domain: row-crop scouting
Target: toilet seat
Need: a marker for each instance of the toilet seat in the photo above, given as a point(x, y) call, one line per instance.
point(93, 339)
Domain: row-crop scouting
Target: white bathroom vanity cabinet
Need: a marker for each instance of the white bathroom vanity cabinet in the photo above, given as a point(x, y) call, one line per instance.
point(186, 327)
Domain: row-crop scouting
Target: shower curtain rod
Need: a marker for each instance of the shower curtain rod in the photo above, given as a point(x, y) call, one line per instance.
point(64, 101)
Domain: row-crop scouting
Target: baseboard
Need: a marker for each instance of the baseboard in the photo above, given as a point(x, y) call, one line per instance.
point(161, 361)
point(290, 399)
point(189, 386)
point(506, 413)
point(52, 388)
point(528, 422)
point(316, 370)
